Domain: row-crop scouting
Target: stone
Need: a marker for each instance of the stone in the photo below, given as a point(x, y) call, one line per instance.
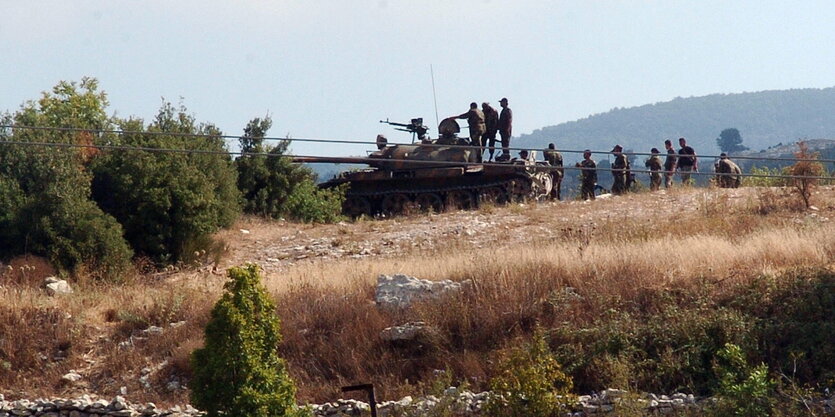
point(55, 286)
point(406, 332)
point(399, 291)
point(71, 377)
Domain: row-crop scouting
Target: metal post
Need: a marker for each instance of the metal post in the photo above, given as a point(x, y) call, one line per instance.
point(369, 388)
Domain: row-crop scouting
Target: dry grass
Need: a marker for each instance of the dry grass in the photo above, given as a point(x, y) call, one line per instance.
point(331, 326)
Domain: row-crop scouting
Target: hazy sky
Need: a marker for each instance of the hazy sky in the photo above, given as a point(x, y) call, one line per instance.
point(333, 69)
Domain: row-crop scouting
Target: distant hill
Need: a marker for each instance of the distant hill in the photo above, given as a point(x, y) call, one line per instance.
point(763, 118)
point(825, 148)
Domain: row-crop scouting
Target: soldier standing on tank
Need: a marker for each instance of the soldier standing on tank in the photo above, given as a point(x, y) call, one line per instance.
point(620, 170)
point(557, 172)
point(653, 164)
point(669, 164)
point(730, 173)
point(588, 175)
point(505, 129)
point(491, 123)
point(475, 118)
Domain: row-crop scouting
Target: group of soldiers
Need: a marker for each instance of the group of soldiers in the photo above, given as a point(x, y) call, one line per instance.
point(684, 162)
point(485, 124)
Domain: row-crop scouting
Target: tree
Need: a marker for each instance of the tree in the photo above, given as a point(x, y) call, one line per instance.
point(168, 202)
point(730, 141)
point(45, 191)
point(806, 169)
point(238, 371)
point(273, 186)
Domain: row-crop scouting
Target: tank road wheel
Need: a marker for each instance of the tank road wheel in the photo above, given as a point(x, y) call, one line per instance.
point(355, 206)
point(395, 204)
point(429, 201)
point(492, 195)
point(519, 189)
point(542, 186)
point(460, 200)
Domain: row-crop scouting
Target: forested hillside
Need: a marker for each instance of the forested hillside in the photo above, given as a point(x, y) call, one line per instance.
point(763, 118)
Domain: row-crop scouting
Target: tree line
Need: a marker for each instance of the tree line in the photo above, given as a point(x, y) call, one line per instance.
point(93, 210)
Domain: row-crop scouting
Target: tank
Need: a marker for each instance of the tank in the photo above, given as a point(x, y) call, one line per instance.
point(435, 175)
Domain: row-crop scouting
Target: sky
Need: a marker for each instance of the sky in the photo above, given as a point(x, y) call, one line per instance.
point(333, 68)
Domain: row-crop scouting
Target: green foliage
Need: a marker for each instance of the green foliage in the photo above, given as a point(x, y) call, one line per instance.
point(730, 141)
point(310, 204)
point(769, 180)
point(168, 201)
point(744, 391)
point(530, 382)
point(794, 314)
point(666, 350)
point(45, 191)
point(239, 372)
point(273, 186)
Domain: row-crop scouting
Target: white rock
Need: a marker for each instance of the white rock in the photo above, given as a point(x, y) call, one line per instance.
point(72, 376)
point(408, 331)
point(401, 290)
point(56, 286)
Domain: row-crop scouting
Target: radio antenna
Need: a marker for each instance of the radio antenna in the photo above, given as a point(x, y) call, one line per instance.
point(434, 96)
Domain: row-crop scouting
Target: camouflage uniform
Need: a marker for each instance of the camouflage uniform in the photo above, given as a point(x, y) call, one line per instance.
point(620, 170)
point(653, 164)
point(475, 118)
point(733, 179)
point(554, 159)
point(669, 167)
point(588, 178)
point(506, 129)
point(491, 124)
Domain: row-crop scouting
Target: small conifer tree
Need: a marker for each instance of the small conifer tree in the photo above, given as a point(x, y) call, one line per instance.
point(238, 372)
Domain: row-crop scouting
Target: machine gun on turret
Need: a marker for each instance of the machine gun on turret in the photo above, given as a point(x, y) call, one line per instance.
point(416, 128)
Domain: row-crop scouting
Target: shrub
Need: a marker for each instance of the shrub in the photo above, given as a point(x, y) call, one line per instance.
point(168, 201)
point(45, 205)
point(239, 372)
point(273, 186)
point(806, 168)
point(530, 382)
point(769, 178)
point(743, 391)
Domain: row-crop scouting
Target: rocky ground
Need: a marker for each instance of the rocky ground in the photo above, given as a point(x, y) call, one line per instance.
point(277, 248)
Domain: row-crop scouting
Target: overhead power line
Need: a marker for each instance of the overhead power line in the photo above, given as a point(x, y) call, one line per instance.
point(366, 160)
point(369, 142)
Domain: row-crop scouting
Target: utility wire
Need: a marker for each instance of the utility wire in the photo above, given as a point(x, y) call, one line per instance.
point(374, 161)
point(353, 142)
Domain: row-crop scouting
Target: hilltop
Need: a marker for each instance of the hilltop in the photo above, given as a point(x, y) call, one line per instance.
point(763, 118)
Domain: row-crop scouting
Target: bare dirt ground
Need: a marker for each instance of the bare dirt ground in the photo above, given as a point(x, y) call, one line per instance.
point(276, 246)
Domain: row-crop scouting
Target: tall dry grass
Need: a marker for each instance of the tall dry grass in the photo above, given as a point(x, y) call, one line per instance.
point(331, 326)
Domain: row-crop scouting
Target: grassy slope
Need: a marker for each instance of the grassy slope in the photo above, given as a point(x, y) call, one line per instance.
point(651, 274)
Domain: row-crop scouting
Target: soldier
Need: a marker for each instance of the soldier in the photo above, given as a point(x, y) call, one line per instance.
point(475, 118)
point(653, 164)
point(505, 129)
point(732, 173)
point(669, 164)
point(588, 175)
point(620, 170)
point(491, 123)
point(687, 161)
point(554, 159)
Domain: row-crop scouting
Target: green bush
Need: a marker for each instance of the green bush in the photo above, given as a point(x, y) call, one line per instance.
point(45, 205)
point(530, 382)
point(168, 201)
point(273, 186)
point(765, 181)
point(744, 391)
point(239, 372)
